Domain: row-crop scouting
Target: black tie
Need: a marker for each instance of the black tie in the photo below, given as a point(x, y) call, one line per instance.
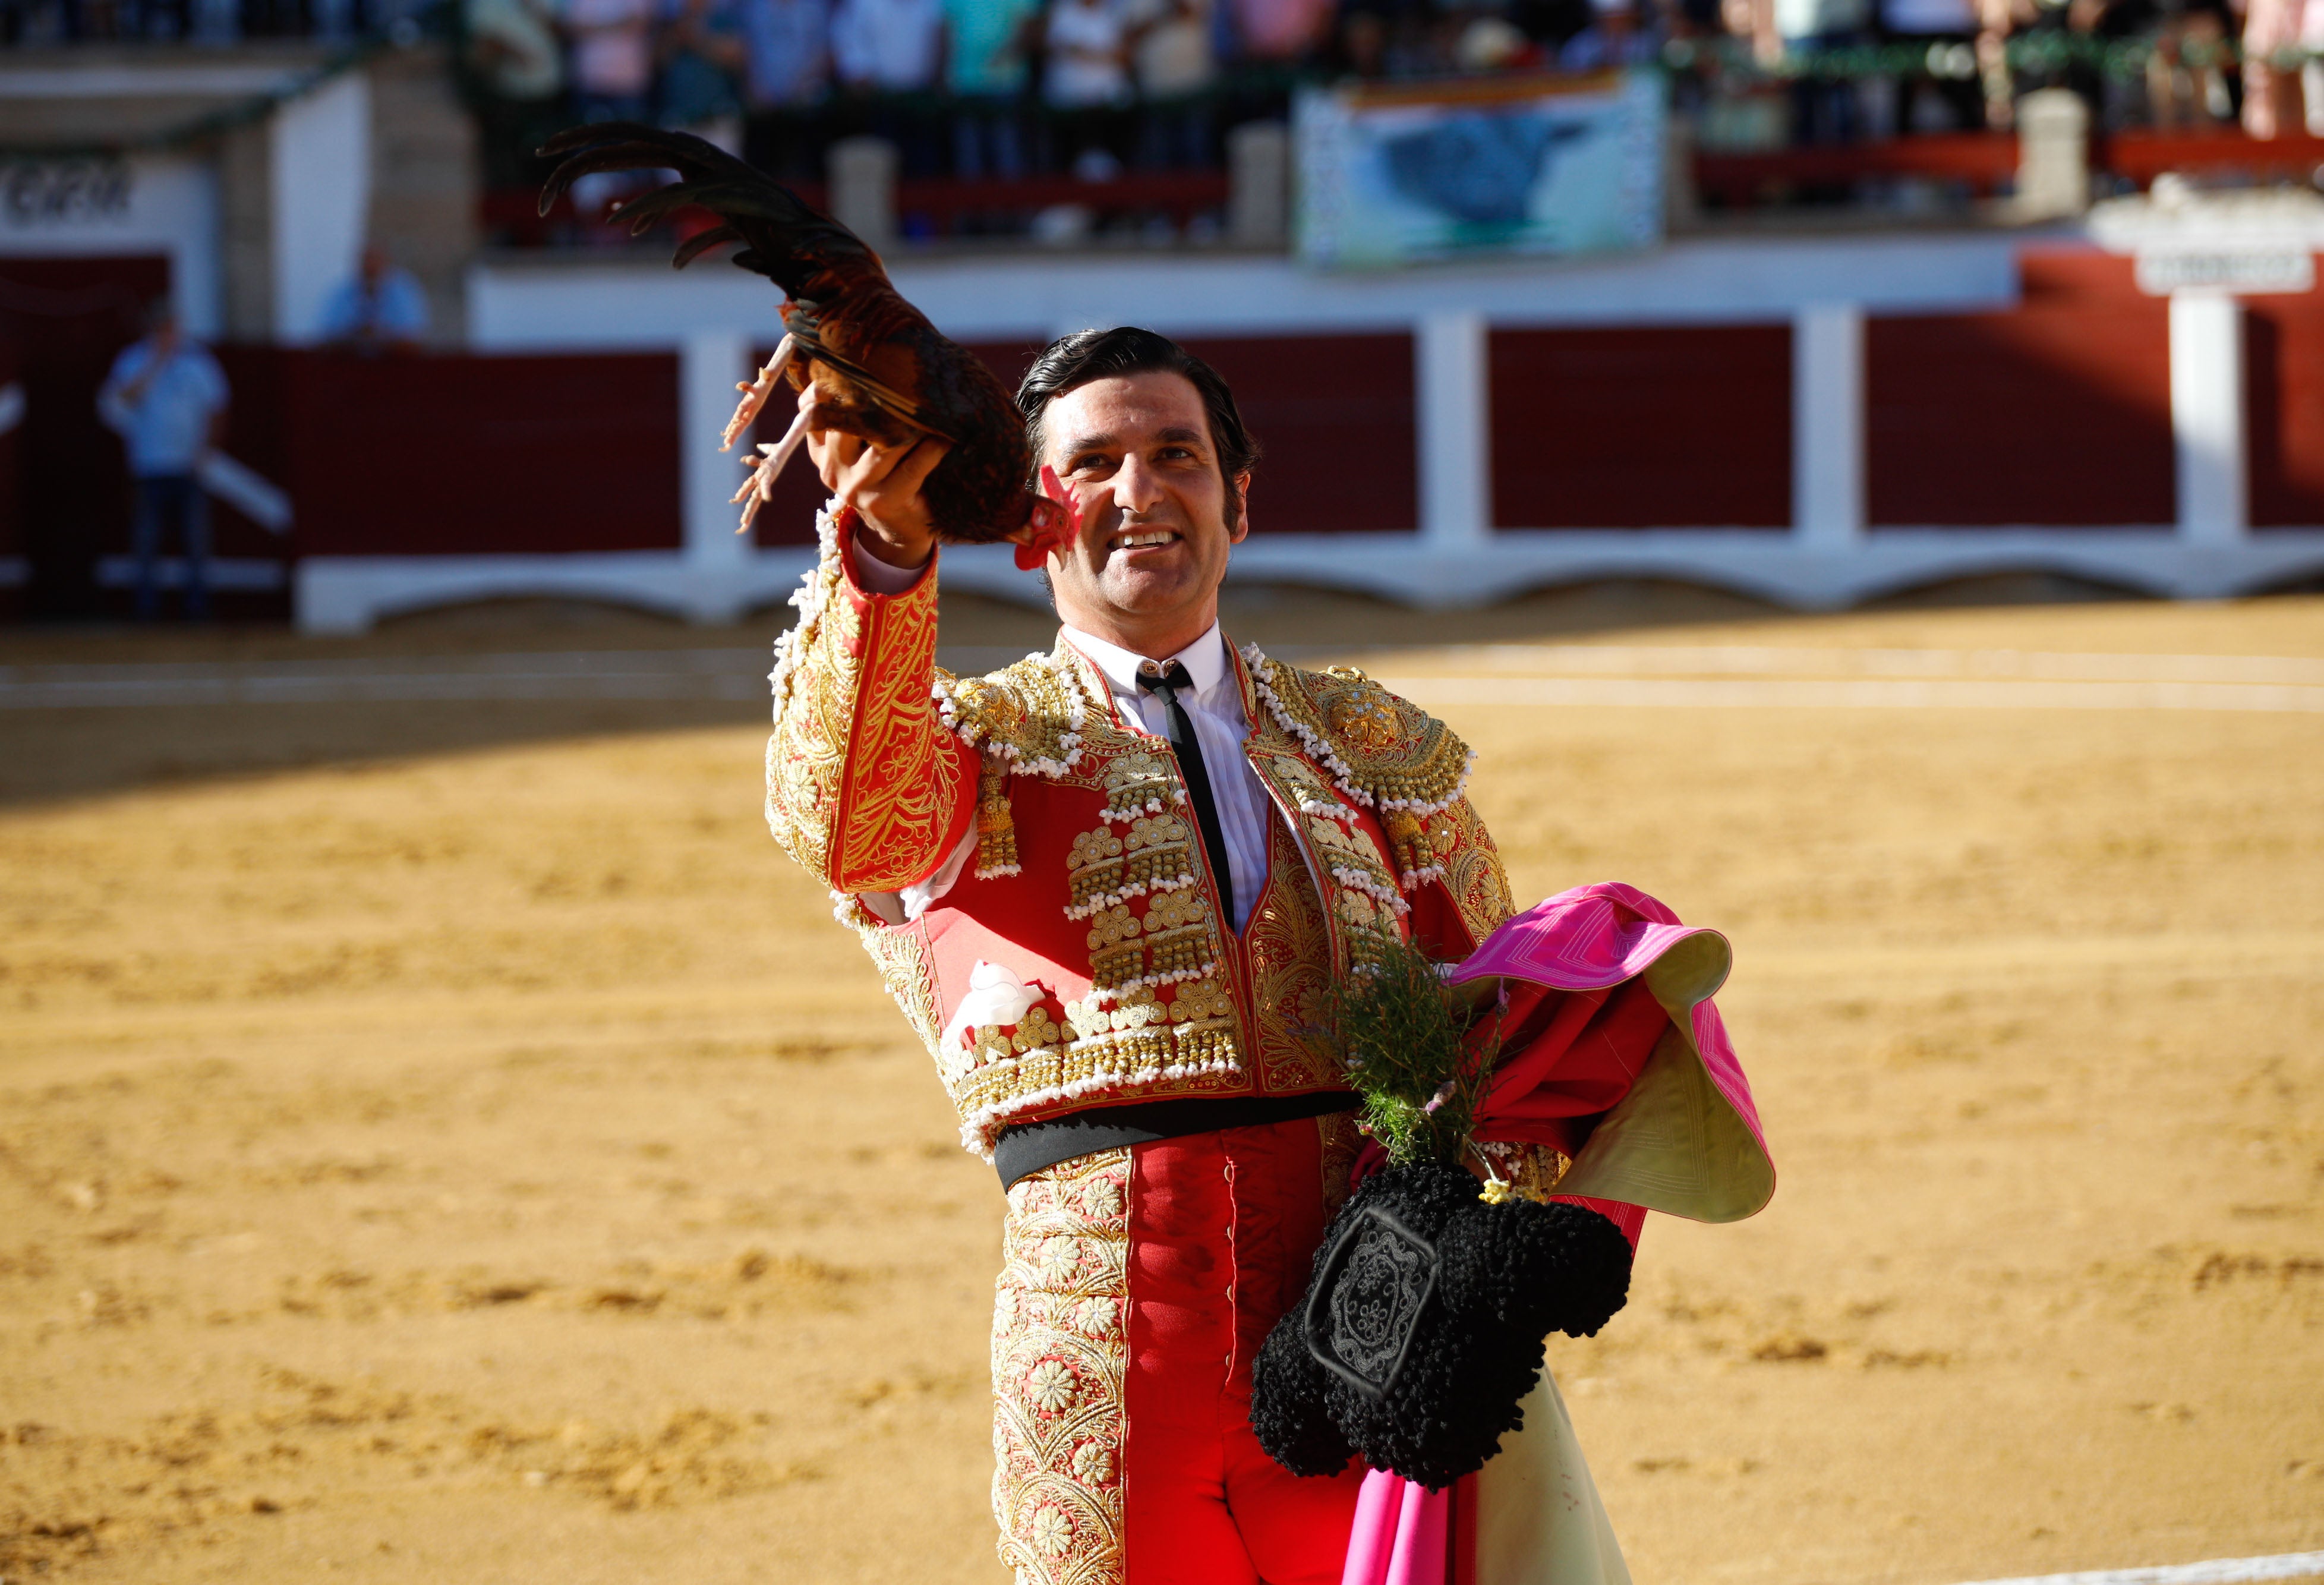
point(1168, 681)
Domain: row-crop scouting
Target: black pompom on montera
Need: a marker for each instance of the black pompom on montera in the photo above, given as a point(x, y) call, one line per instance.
point(1422, 1325)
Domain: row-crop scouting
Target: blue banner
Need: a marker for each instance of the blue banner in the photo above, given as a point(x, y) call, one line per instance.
point(1397, 174)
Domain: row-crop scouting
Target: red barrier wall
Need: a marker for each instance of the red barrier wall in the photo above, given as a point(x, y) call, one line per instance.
point(2056, 414)
point(12, 506)
point(1334, 415)
point(66, 319)
point(426, 456)
point(1677, 427)
point(2283, 410)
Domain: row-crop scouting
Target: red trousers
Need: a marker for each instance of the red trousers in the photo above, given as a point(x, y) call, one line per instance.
point(1137, 1288)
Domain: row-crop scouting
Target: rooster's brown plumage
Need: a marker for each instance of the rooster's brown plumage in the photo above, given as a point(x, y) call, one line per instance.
point(880, 369)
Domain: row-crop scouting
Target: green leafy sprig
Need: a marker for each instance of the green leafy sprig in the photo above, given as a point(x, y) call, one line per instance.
point(1406, 1043)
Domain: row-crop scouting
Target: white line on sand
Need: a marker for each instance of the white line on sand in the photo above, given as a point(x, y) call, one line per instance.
point(1716, 676)
point(1854, 694)
point(1795, 660)
point(2290, 1565)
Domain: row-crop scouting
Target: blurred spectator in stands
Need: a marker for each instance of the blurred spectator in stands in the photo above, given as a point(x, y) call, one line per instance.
point(1087, 82)
point(1823, 109)
point(702, 56)
point(612, 72)
point(379, 308)
point(1942, 94)
point(1088, 54)
point(1997, 19)
point(1363, 42)
point(613, 57)
point(887, 46)
point(787, 47)
point(166, 397)
point(887, 53)
point(2186, 74)
point(988, 47)
point(1174, 68)
point(2273, 96)
point(2098, 26)
point(1280, 30)
point(215, 22)
point(1614, 38)
point(515, 74)
point(2312, 70)
point(1551, 22)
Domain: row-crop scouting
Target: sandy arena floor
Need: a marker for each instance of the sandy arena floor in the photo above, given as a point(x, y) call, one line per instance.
point(451, 1143)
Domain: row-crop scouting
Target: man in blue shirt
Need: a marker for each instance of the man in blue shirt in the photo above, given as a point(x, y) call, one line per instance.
point(382, 309)
point(166, 397)
point(986, 49)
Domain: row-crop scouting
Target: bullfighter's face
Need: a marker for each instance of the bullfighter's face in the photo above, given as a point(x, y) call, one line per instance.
point(1158, 515)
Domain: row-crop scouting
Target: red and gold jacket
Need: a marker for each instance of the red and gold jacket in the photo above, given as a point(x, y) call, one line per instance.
point(1088, 916)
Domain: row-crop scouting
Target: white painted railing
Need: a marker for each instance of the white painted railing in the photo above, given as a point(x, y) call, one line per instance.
point(1824, 288)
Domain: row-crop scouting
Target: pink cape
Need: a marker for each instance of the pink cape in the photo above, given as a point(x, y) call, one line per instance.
point(1595, 982)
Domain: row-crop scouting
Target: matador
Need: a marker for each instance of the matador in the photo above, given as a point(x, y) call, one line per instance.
point(1110, 887)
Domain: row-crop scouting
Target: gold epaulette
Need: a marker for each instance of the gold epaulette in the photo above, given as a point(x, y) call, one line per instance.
point(1384, 753)
point(1030, 713)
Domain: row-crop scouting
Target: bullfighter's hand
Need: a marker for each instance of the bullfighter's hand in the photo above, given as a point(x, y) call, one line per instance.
point(881, 483)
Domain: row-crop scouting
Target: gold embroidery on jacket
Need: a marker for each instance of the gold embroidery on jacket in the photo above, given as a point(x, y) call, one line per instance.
point(905, 970)
point(1471, 868)
point(1308, 792)
point(1137, 783)
point(1369, 927)
point(1030, 714)
point(1290, 972)
point(1341, 1145)
point(1350, 855)
point(861, 788)
point(1383, 751)
point(1060, 1357)
point(996, 822)
point(1094, 872)
point(1134, 1033)
point(1117, 956)
point(1158, 858)
point(1169, 1013)
point(1180, 941)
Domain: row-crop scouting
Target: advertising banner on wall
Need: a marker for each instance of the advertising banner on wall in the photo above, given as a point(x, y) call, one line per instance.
point(1398, 173)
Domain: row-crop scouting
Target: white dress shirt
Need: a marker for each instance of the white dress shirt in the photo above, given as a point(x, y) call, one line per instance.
point(1215, 707)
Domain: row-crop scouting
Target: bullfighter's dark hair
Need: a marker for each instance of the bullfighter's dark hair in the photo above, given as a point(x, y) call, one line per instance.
point(1075, 360)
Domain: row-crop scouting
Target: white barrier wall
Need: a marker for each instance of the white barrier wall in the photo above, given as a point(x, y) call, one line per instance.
point(165, 204)
point(319, 149)
point(1824, 288)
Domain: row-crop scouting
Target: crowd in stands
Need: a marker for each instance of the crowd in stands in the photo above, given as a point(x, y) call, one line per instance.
point(976, 89)
point(971, 88)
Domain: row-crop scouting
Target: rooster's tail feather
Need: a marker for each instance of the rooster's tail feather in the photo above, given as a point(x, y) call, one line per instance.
point(789, 241)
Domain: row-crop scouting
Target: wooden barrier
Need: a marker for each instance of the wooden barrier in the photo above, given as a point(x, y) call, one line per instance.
point(2056, 414)
point(450, 454)
point(2284, 412)
point(1984, 162)
point(1643, 426)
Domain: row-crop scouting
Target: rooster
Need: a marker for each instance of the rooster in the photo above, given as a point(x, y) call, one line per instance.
point(881, 371)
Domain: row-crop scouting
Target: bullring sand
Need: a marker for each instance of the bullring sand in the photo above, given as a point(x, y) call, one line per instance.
point(451, 1143)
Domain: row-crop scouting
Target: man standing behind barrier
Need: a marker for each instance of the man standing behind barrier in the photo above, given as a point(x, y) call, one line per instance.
point(166, 397)
point(381, 308)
